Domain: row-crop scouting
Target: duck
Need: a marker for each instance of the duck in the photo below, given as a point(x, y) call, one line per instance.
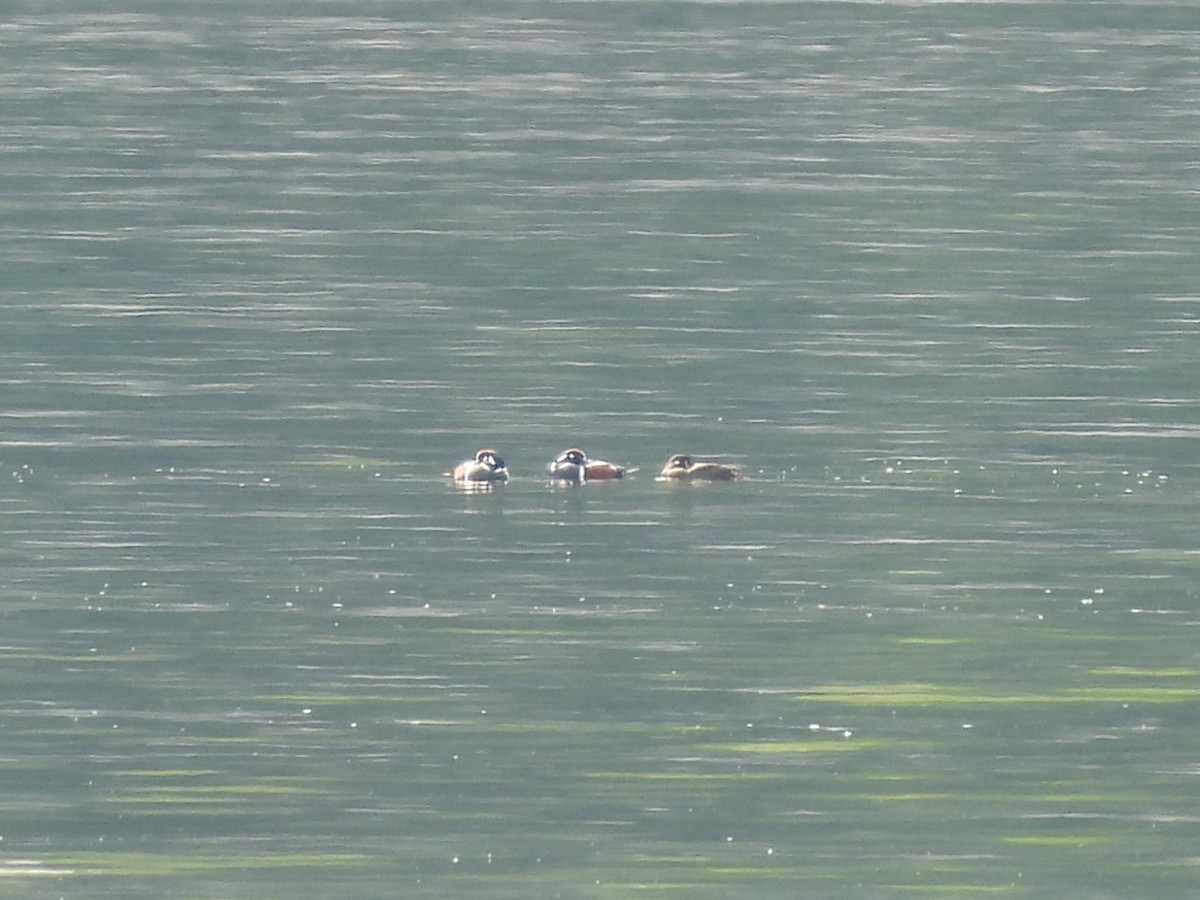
point(574, 465)
point(486, 467)
point(681, 467)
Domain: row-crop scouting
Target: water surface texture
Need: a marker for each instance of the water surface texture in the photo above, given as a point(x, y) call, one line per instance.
point(928, 272)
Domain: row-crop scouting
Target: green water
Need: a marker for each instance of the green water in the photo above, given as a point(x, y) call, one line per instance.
point(926, 272)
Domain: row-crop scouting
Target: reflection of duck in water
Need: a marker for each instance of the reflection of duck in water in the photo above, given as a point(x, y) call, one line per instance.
point(681, 467)
point(486, 467)
point(573, 465)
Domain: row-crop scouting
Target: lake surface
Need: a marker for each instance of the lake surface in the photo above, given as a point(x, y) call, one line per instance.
point(928, 272)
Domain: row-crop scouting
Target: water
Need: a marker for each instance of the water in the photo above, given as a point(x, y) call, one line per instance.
point(925, 271)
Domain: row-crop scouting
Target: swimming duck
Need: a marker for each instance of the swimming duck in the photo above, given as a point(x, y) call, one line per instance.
point(682, 467)
point(487, 466)
point(573, 465)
